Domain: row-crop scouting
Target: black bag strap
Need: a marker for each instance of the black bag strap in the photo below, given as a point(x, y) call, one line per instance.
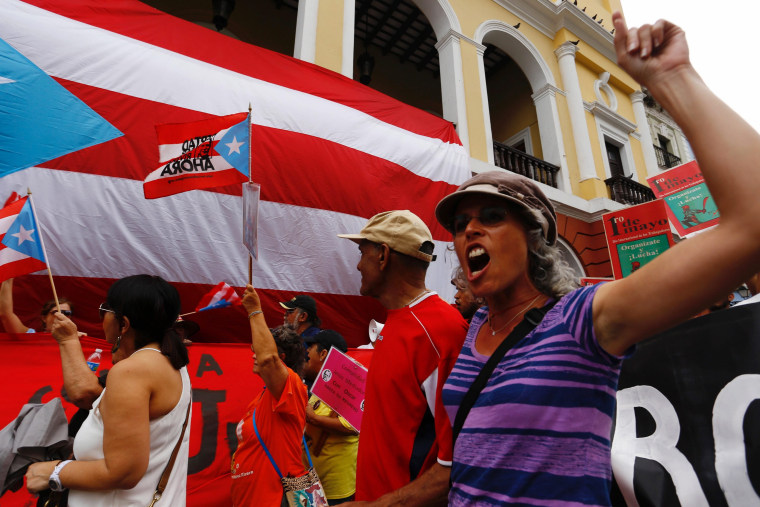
point(528, 324)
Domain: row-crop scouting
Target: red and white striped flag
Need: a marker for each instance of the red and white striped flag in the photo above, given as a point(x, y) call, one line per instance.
point(199, 155)
point(328, 152)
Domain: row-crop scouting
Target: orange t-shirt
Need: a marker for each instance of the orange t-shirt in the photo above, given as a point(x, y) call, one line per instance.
point(281, 424)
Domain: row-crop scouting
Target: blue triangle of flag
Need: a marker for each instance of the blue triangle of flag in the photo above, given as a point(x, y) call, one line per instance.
point(24, 235)
point(233, 147)
point(39, 119)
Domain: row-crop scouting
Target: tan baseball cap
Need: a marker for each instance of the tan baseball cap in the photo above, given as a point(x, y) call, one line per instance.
point(402, 230)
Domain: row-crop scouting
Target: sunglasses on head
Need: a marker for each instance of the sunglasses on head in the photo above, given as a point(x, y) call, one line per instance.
point(488, 217)
point(103, 309)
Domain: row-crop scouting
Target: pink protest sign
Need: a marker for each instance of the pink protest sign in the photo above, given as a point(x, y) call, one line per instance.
point(340, 384)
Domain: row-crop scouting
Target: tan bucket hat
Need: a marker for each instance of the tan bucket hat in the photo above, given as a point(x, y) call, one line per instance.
point(509, 186)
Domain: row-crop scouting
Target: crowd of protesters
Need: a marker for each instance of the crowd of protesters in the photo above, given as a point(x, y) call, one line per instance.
point(505, 397)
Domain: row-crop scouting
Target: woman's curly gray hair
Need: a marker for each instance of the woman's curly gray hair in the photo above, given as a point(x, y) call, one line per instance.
point(548, 271)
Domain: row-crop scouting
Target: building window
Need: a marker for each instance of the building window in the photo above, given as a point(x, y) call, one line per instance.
point(665, 157)
point(623, 188)
point(521, 141)
point(614, 132)
point(664, 142)
point(614, 159)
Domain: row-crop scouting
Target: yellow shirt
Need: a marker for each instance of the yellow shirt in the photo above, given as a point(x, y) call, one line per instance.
point(335, 461)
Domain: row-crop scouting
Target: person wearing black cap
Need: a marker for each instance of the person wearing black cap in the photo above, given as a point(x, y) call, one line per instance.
point(301, 315)
point(537, 430)
point(332, 441)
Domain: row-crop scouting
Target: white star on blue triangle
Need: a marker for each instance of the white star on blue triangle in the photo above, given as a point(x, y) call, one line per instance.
point(23, 234)
point(39, 119)
point(237, 136)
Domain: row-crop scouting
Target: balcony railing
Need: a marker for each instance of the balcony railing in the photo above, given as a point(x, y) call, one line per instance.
point(519, 162)
point(665, 158)
point(627, 191)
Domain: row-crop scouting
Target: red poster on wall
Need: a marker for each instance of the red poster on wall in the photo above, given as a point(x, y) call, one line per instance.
point(636, 235)
point(690, 205)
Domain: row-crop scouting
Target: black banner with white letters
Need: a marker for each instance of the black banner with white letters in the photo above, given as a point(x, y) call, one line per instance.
point(687, 429)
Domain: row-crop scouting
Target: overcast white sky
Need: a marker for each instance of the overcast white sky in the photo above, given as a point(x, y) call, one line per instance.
point(722, 49)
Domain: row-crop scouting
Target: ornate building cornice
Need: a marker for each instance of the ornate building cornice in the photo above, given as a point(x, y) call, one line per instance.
point(549, 18)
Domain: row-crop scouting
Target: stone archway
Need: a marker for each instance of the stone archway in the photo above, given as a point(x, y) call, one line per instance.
point(542, 84)
point(446, 28)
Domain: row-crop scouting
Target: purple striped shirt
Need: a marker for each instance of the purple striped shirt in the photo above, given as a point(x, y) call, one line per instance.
point(539, 434)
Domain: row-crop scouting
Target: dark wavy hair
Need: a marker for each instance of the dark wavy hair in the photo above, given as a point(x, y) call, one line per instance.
point(290, 344)
point(152, 306)
point(49, 306)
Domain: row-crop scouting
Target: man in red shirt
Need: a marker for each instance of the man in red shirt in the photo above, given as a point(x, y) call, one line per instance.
point(405, 443)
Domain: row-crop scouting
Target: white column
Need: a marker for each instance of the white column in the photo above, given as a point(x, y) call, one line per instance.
point(347, 54)
point(306, 30)
point(452, 85)
point(647, 145)
point(550, 131)
point(481, 49)
point(566, 57)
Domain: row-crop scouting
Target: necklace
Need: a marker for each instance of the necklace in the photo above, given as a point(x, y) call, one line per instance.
point(494, 332)
point(417, 297)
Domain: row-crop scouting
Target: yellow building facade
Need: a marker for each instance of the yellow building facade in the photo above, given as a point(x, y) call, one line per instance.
point(531, 85)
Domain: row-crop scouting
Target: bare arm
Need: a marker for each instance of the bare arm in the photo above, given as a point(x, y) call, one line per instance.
point(273, 371)
point(328, 423)
point(126, 438)
point(430, 488)
point(10, 321)
point(80, 382)
point(701, 269)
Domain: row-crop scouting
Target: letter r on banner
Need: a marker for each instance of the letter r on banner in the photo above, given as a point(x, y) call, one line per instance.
point(660, 446)
point(728, 430)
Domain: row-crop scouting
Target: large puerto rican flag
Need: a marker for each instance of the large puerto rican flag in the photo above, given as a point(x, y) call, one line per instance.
point(328, 152)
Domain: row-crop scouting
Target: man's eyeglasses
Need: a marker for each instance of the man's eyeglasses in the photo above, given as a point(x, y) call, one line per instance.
point(67, 313)
point(102, 309)
point(488, 217)
point(289, 311)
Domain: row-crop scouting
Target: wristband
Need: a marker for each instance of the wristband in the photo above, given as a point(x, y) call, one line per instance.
point(255, 312)
point(55, 482)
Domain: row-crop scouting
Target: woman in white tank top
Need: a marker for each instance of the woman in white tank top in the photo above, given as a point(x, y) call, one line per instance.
point(126, 442)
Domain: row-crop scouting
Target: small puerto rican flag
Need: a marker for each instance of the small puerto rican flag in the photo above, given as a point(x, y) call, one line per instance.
point(220, 296)
point(20, 243)
point(200, 154)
